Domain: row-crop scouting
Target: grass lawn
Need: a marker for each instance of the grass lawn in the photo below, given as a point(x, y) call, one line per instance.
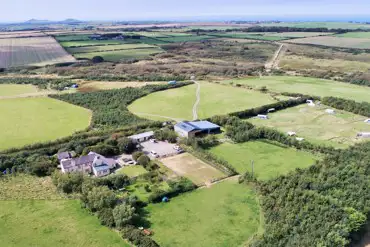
point(31, 120)
point(89, 43)
point(16, 89)
point(307, 85)
point(317, 126)
point(138, 189)
point(189, 166)
point(56, 223)
point(215, 99)
point(270, 160)
point(132, 171)
point(226, 214)
point(115, 56)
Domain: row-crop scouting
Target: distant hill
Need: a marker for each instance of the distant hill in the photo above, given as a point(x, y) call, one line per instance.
point(35, 21)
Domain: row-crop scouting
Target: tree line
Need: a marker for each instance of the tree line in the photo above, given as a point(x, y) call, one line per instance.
point(362, 108)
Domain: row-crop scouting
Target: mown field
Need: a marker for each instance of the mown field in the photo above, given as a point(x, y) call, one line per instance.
point(31, 51)
point(298, 34)
point(314, 124)
point(227, 214)
point(86, 86)
point(345, 42)
point(177, 39)
point(215, 99)
point(13, 90)
point(258, 36)
point(197, 171)
point(306, 85)
point(270, 159)
point(68, 44)
point(355, 35)
point(31, 120)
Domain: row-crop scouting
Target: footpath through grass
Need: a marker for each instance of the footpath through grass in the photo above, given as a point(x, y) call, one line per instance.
point(215, 99)
point(270, 160)
point(307, 85)
point(227, 214)
point(30, 120)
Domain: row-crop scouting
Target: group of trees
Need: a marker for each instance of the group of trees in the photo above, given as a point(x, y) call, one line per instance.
point(166, 134)
point(110, 106)
point(42, 83)
point(362, 108)
point(324, 205)
point(98, 195)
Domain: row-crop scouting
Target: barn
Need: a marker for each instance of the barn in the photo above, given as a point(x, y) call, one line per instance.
point(190, 129)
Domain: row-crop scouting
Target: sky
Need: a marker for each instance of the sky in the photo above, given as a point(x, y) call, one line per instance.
point(21, 10)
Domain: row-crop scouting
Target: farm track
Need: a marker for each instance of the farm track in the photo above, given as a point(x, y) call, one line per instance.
point(197, 101)
point(154, 115)
point(274, 62)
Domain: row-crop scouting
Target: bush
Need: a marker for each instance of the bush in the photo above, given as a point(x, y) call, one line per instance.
point(126, 145)
point(137, 155)
point(137, 237)
point(166, 135)
point(143, 160)
point(105, 216)
point(177, 187)
point(68, 182)
point(97, 59)
point(123, 215)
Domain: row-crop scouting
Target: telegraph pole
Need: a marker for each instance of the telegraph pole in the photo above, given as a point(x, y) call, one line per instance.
point(252, 163)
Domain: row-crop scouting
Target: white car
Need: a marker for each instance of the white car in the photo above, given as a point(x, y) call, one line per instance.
point(177, 148)
point(154, 154)
point(153, 140)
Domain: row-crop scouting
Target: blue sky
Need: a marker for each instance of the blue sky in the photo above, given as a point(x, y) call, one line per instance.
point(18, 10)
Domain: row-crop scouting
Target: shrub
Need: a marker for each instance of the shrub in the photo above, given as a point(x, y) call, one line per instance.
point(97, 59)
point(126, 145)
point(137, 155)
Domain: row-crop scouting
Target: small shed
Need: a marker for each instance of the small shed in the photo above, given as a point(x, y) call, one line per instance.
point(260, 116)
point(330, 111)
point(299, 139)
point(142, 137)
point(291, 133)
point(165, 199)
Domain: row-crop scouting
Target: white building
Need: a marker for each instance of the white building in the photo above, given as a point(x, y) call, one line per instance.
point(291, 133)
point(260, 116)
point(142, 137)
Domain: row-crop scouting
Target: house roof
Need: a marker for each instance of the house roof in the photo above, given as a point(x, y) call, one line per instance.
point(197, 125)
point(142, 135)
point(101, 168)
point(64, 155)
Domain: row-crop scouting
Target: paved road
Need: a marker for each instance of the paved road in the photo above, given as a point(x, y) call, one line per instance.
point(197, 101)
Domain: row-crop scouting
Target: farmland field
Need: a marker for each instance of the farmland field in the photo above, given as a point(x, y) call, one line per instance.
point(261, 36)
point(359, 43)
point(32, 120)
point(186, 38)
point(189, 166)
point(330, 25)
point(355, 35)
point(75, 37)
point(215, 99)
point(55, 223)
point(102, 48)
point(107, 85)
point(270, 160)
point(306, 85)
point(67, 44)
point(13, 89)
point(298, 34)
point(115, 56)
point(31, 51)
point(226, 214)
point(314, 124)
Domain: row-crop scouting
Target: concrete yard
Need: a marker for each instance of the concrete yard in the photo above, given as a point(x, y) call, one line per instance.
point(196, 170)
point(163, 149)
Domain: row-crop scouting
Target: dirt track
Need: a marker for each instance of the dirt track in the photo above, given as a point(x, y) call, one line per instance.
point(197, 95)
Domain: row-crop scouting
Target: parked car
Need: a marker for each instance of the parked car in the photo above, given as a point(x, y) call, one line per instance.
point(154, 154)
point(153, 140)
point(177, 148)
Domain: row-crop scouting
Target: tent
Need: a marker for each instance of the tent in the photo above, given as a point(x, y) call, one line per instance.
point(165, 199)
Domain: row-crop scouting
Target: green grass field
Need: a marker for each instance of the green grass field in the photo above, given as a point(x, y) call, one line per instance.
point(314, 124)
point(262, 36)
point(31, 120)
point(67, 44)
point(15, 89)
point(215, 99)
point(298, 34)
point(365, 35)
point(56, 223)
point(132, 171)
point(270, 160)
point(176, 39)
point(115, 56)
point(101, 48)
point(307, 85)
point(73, 37)
point(227, 214)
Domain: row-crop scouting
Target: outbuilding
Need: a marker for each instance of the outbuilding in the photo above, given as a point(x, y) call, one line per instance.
point(291, 133)
point(260, 116)
point(330, 111)
point(142, 137)
point(190, 129)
